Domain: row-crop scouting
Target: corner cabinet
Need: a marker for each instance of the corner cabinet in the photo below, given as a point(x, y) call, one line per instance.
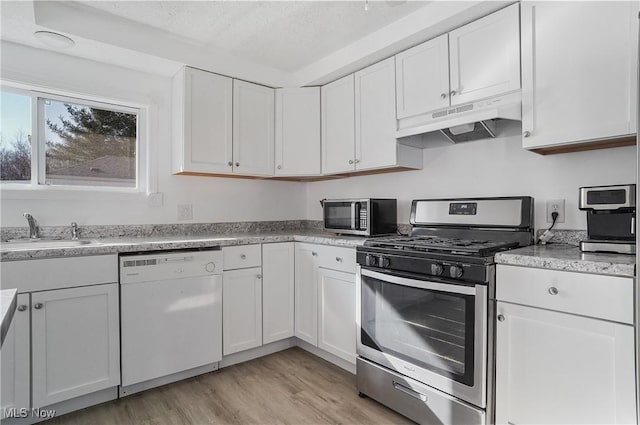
point(297, 145)
point(15, 358)
point(278, 272)
point(564, 348)
point(359, 123)
point(202, 128)
point(253, 133)
point(579, 74)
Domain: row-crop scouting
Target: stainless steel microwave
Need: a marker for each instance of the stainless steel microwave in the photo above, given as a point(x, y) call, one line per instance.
point(366, 217)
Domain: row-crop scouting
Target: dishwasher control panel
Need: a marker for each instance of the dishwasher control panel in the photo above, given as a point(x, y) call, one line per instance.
point(162, 266)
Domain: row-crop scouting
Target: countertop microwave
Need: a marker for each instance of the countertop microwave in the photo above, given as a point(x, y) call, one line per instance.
point(365, 217)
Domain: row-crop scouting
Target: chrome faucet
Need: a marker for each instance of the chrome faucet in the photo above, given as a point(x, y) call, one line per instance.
point(74, 231)
point(34, 231)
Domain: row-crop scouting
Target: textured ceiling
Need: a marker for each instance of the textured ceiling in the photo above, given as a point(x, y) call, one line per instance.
point(286, 35)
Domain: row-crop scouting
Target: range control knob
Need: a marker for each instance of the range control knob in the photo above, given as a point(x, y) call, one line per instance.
point(383, 262)
point(371, 260)
point(455, 272)
point(210, 267)
point(437, 269)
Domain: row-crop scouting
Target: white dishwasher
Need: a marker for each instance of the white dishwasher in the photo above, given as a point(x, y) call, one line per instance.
point(171, 316)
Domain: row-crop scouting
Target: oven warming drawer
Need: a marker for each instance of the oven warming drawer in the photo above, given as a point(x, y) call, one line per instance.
point(412, 399)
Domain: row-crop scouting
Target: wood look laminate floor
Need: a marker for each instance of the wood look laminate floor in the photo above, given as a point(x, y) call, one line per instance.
point(289, 387)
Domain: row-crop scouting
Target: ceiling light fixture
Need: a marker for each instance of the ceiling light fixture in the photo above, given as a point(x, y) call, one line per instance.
point(366, 5)
point(54, 40)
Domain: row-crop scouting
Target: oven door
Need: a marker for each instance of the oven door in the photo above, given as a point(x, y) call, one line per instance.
point(434, 332)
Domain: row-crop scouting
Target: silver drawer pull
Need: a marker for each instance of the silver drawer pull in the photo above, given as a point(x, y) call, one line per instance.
point(38, 306)
point(243, 256)
point(500, 318)
point(22, 307)
point(315, 254)
point(408, 391)
point(339, 260)
point(553, 290)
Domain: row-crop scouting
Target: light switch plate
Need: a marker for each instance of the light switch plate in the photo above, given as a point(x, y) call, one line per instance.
point(558, 206)
point(185, 212)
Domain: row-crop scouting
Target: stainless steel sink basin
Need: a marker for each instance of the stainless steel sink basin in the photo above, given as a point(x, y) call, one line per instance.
point(18, 244)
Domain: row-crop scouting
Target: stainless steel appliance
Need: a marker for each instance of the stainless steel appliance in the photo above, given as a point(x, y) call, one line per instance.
point(367, 217)
point(426, 308)
point(611, 218)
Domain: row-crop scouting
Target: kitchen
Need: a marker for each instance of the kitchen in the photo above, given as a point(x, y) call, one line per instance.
point(145, 71)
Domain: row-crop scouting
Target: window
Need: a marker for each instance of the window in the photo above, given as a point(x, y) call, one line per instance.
point(79, 143)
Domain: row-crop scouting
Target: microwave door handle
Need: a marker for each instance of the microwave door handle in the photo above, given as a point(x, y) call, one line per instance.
point(633, 225)
point(353, 215)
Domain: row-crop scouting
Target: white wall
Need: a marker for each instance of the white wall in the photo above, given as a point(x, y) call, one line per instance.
point(213, 199)
point(498, 167)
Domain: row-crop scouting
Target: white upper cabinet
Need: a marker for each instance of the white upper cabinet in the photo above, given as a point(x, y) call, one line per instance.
point(297, 144)
point(338, 126)
point(422, 78)
point(253, 133)
point(579, 71)
point(203, 124)
point(375, 96)
point(485, 57)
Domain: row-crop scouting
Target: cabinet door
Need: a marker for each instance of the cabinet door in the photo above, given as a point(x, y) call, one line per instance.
point(278, 271)
point(337, 313)
point(485, 56)
point(306, 295)
point(241, 310)
point(375, 89)
point(75, 342)
point(422, 78)
point(298, 131)
point(206, 122)
point(253, 135)
point(338, 126)
point(14, 357)
point(579, 71)
point(559, 368)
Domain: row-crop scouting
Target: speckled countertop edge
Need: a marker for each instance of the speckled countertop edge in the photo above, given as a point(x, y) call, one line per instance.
point(140, 244)
point(569, 258)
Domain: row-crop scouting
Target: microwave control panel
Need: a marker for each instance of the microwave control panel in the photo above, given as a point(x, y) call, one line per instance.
point(363, 217)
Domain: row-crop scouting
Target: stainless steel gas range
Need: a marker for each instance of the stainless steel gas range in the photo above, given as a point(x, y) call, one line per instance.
point(426, 308)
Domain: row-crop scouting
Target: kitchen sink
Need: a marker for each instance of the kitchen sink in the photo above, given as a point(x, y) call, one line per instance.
point(20, 244)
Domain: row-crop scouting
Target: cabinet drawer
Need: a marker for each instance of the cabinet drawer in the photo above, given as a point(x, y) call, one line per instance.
point(337, 258)
point(241, 257)
point(605, 297)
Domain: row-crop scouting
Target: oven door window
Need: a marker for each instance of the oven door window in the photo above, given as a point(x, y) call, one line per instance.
point(428, 328)
point(338, 215)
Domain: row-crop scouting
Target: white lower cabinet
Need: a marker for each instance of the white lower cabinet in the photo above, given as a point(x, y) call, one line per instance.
point(336, 313)
point(326, 299)
point(15, 354)
point(555, 367)
point(75, 342)
point(277, 291)
point(241, 310)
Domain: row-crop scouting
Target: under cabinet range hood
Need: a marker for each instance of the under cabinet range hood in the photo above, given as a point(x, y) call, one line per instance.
point(460, 123)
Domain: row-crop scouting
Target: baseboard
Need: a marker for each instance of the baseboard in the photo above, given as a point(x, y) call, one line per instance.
point(254, 353)
point(331, 358)
point(164, 380)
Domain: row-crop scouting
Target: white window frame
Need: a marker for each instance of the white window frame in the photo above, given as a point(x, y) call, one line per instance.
point(37, 187)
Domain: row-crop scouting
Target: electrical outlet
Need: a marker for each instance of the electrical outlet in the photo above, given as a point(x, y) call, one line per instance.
point(555, 205)
point(185, 212)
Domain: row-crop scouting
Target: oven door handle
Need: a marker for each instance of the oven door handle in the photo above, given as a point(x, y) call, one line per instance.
point(422, 284)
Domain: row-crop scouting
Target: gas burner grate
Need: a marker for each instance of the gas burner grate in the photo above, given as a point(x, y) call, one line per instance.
point(440, 244)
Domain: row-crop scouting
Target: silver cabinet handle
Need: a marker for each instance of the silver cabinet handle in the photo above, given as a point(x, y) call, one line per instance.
point(230, 164)
point(38, 306)
point(315, 254)
point(339, 260)
point(500, 318)
point(237, 164)
point(22, 307)
point(452, 93)
point(243, 256)
point(351, 161)
point(443, 96)
point(553, 290)
point(357, 161)
point(408, 391)
point(259, 276)
point(526, 134)
point(279, 167)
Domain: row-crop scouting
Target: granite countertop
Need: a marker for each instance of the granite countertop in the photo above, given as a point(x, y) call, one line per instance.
point(569, 258)
point(8, 301)
point(136, 244)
